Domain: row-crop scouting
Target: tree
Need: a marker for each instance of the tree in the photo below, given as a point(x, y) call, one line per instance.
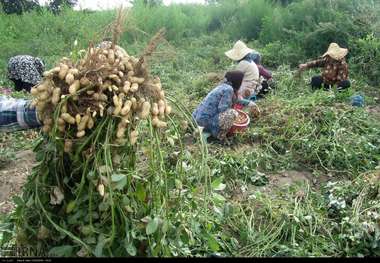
point(211, 2)
point(283, 2)
point(18, 6)
point(147, 2)
point(56, 5)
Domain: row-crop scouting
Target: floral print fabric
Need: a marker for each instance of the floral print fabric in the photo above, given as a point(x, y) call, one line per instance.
point(334, 71)
point(219, 100)
point(25, 68)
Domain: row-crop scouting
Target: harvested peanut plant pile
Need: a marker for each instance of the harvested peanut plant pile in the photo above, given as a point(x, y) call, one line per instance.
point(110, 179)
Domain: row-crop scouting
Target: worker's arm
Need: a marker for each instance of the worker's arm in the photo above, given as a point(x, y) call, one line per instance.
point(313, 64)
point(17, 114)
point(243, 102)
point(264, 72)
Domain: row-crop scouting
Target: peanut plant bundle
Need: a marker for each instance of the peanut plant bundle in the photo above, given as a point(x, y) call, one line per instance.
point(107, 183)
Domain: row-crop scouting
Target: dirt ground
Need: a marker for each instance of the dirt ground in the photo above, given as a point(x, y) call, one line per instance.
point(13, 177)
point(282, 180)
point(374, 111)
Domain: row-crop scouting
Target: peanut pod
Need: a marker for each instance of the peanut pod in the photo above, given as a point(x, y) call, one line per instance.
point(74, 87)
point(83, 123)
point(56, 96)
point(68, 118)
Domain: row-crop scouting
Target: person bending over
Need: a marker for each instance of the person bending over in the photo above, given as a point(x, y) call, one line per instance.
point(215, 113)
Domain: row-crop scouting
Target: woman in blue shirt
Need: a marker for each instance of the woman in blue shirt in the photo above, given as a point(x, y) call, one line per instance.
point(215, 113)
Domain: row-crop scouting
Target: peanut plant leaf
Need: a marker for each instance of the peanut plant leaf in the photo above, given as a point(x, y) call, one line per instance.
point(152, 226)
point(213, 244)
point(61, 251)
point(117, 177)
point(141, 194)
point(131, 249)
point(217, 184)
point(70, 206)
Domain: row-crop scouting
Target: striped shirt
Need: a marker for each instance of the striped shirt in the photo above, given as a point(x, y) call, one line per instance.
point(17, 114)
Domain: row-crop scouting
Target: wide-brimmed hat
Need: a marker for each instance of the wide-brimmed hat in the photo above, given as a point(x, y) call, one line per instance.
point(336, 52)
point(239, 51)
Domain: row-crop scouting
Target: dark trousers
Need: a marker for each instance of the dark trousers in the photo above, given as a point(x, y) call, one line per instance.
point(265, 89)
point(21, 85)
point(317, 81)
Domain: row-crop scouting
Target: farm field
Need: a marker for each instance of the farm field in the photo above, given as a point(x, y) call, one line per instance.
point(302, 181)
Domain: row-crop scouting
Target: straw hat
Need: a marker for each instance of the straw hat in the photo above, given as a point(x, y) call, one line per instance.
point(336, 52)
point(239, 51)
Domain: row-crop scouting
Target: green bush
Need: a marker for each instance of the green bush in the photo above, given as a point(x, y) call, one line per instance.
point(278, 53)
point(367, 59)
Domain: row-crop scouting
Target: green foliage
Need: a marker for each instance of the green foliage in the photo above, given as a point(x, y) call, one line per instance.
point(289, 33)
point(298, 130)
point(320, 129)
point(299, 222)
point(278, 53)
point(18, 6)
point(367, 60)
point(148, 209)
point(353, 205)
point(56, 6)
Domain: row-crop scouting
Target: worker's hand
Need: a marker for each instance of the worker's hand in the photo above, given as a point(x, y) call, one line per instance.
point(254, 109)
point(302, 67)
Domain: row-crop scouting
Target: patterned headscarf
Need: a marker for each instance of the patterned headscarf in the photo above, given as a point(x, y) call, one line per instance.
point(25, 68)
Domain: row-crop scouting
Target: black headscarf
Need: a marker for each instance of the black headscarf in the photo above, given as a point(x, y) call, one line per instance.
point(234, 78)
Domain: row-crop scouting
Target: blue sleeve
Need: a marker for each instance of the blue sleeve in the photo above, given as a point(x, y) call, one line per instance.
point(225, 102)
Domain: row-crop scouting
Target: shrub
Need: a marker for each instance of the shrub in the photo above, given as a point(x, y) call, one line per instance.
point(367, 58)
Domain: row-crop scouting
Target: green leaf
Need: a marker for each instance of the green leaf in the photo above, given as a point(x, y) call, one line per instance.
point(165, 226)
point(152, 226)
point(117, 177)
point(146, 219)
point(125, 200)
point(218, 198)
point(140, 192)
point(217, 184)
point(70, 206)
point(121, 184)
point(61, 251)
point(18, 200)
point(213, 244)
point(86, 230)
point(131, 249)
point(99, 247)
point(104, 169)
point(178, 184)
point(30, 201)
point(103, 206)
point(6, 227)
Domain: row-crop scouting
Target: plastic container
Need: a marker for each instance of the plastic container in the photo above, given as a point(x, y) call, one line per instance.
point(240, 127)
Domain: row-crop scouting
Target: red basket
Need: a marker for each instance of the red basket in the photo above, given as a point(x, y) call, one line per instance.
point(240, 127)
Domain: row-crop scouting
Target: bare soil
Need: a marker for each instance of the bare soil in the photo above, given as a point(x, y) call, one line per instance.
point(374, 111)
point(281, 180)
point(13, 177)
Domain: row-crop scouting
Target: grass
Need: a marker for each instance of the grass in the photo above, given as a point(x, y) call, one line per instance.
point(318, 132)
